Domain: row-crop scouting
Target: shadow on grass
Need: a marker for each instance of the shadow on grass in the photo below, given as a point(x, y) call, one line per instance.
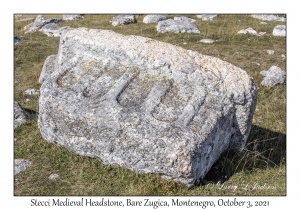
point(264, 149)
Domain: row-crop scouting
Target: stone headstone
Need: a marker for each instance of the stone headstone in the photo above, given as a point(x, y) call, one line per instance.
point(123, 20)
point(20, 115)
point(154, 18)
point(273, 76)
point(176, 26)
point(20, 165)
point(206, 17)
point(39, 22)
point(279, 30)
point(72, 17)
point(17, 40)
point(146, 105)
point(248, 31)
point(269, 17)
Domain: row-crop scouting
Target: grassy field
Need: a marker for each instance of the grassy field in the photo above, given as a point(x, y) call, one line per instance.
point(260, 169)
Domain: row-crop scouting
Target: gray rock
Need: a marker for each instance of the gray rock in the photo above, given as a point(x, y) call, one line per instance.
point(283, 56)
point(270, 52)
point(263, 23)
point(72, 17)
point(53, 176)
point(52, 29)
point(154, 18)
point(123, 20)
point(17, 40)
point(149, 106)
point(208, 41)
point(279, 30)
point(261, 33)
point(32, 92)
point(176, 26)
point(39, 22)
point(273, 76)
point(20, 165)
point(185, 19)
point(47, 68)
point(206, 17)
point(248, 31)
point(269, 17)
point(20, 115)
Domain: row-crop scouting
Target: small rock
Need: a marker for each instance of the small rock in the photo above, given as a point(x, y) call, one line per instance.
point(269, 17)
point(283, 56)
point(72, 17)
point(176, 26)
point(247, 31)
point(154, 18)
point(279, 30)
point(264, 23)
point(20, 115)
point(258, 64)
point(32, 92)
point(261, 33)
point(20, 165)
point(206, 17)
point(270, 52)
point(209, 41)
point(273, 76)
point(123, 20)
point(184, 43)
point(27, 100)
point(53, 176)
point(40, 22)
point(52, 29)
point(17, 40)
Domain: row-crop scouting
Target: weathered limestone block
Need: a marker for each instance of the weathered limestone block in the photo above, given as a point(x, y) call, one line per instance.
point(20, 165)
point(248, 31)
point(123, 20)
point(154, 18)
point(279, 30)
point(273, 76)
point(177, 26)
point(149, 106)
point(39, 22)
point(20, 115)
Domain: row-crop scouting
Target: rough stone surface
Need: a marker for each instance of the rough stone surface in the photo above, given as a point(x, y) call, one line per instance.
point(154, 18)
point(269, 17)
point(185, 19)
point(177, 26)
point(20, 115)
point(17, 40)
point(32, 92)
point(206, 17)
point(123, 20)
point(20, 165)
point(279, 30)
point(47, 68)
point(149, 106)
point(273, 76)
point(208, 41)
point(248, 31)
point(52, 29)
point(53, 176)
point(39, 22)
point(270, 52)
point(72, 17)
